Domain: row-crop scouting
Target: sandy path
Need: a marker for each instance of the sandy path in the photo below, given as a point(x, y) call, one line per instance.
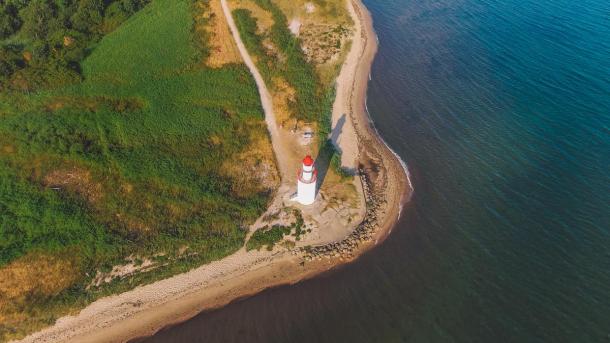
point(347, 141)
point(279, 147)
point(146, 309)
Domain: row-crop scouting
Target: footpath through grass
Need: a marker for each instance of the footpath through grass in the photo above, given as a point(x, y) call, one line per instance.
point(126, 163)
point(312, 102)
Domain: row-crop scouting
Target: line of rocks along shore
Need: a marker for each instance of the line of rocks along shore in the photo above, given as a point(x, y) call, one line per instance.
point(363, 233)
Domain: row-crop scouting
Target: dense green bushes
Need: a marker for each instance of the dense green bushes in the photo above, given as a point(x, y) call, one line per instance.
point(266, 237)
point(312, 101)
point(298, 72)
point(35, 219)
point(120, 153)
point(246, 25)
point(142, 119)
point(42, 41)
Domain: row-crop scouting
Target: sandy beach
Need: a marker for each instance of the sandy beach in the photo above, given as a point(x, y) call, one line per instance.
point(147, 309)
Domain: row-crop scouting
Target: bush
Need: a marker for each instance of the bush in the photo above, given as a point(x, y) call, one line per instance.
point(9, 20)
point(55, 33)
point(267, 237)
point(312, 102)
point(120, 154)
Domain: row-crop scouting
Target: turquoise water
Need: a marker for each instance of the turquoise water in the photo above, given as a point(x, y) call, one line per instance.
point(502, 111)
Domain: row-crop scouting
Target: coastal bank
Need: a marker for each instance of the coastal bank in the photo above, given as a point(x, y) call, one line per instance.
point(147, 309)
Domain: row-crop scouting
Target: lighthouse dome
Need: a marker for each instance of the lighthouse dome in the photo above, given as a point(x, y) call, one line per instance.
point(308, 161)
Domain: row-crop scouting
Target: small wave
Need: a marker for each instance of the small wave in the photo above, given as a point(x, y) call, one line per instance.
point(368, 114)
point(403, 164)
point(405, 168)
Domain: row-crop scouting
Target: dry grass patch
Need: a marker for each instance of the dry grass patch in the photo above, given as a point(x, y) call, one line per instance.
point(93, 104)
point(75, 180)
point(222, 47)
point(32, 276)
point(323, 42)
point(329, 71)
point(38, 274)
point(320, 11)
point(133, 225)
point(283, 97)
point(253, 170)
point(339, 190)
point(7, 149)
point(264, 20)
point(325, 32)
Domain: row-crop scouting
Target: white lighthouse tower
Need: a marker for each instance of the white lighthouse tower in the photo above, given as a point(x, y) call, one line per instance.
point(306, 182)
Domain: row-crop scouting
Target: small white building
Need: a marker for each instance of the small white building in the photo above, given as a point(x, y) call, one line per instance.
point(306, 182)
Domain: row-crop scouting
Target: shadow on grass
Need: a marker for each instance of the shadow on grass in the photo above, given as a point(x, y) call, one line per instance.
point(328, 150)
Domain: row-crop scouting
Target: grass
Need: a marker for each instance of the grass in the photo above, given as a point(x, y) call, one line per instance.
point(330, 152)
point(266, 237)
point(298, 225)
point(311, 100)
point(127, 162)
point(332, 11)
point(223, 49)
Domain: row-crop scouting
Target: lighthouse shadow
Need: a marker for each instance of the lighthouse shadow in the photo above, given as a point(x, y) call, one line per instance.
point(327, 151)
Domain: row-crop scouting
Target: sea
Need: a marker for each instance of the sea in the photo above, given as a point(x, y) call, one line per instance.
point(501, 110)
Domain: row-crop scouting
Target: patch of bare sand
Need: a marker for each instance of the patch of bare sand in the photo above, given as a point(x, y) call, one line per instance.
point(295, 26)
point(349, 106)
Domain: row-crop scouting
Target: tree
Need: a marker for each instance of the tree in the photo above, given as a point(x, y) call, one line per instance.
point(10, 62)
point(88, 15)
point(38, 19)
point(130, 6)
point(9, 20)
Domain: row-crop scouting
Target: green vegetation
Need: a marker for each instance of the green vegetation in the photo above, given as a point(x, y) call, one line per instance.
point(43, 41)
point(330, 149)
point(298, 225)
point(329, 158)
point(267, 237)
point(311, 100)
point(112, 146)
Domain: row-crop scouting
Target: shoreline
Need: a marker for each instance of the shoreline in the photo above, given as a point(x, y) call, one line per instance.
point(148, 309)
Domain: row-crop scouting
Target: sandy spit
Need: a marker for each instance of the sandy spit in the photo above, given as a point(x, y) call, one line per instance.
point(147, 309)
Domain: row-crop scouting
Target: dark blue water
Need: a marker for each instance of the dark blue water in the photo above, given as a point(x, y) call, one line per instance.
point(502, 111)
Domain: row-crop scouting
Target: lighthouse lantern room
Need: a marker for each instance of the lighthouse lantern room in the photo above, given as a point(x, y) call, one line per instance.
point(306, 182)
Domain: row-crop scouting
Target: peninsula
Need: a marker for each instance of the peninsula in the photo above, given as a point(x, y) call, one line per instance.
point(363, 184)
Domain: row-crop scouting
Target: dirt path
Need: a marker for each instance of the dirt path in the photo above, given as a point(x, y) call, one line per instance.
point(279, 146)
point(148, 308)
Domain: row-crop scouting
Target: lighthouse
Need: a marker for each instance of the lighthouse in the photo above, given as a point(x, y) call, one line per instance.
point(306, 182)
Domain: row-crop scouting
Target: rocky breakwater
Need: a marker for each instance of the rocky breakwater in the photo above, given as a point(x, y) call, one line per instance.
point(364, 232)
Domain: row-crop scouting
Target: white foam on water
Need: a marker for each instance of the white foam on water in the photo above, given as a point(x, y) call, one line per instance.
point(403, 164)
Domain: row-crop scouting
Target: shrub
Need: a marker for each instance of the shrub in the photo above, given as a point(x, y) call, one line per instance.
point(267, 237)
